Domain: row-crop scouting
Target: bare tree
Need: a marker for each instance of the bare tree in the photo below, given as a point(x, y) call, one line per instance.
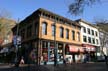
point(77, 7)
point(4, 13)
point(103, 24)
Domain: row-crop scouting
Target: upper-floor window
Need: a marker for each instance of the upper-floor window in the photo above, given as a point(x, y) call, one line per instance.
point(93, 40)
point(53, 30)
point(97, 41)
point(89, 39)
point(92, 32)
point(67, 33)
point(73, 35)
point(36, 28)
point(23, 34)
point(84, 29)
point(96, 33)
point(78, 36)
point(84, 39)
point(88, 30)
point(44, 28)
point(61, 32)
point(29, 31)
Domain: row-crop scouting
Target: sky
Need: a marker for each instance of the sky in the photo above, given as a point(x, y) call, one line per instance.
point(20, 9)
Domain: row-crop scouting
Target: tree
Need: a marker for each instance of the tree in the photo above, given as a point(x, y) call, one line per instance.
point(5, 14)
point(5, 28)
point(77, 7)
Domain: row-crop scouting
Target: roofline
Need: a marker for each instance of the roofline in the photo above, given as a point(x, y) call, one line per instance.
point(81, 20)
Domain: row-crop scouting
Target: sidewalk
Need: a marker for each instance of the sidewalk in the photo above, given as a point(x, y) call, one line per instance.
point(61, 67)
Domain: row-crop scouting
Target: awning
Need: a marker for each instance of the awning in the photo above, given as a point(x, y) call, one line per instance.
point(73, 48)
point(89, 47)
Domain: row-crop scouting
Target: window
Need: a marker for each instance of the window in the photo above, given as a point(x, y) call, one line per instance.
point(78, 36)
point(36, 28)
point(44, 28)
point(89, 39)
point(67, 33)
point(97, 41)
point(92, 32)
point(96, 33)
point(23, 34)
point(73, 35)
point(61, 32)
point(84, 29)
point(29, 31)
point(53, 30)
point(93, 39)
point(84, 39)
point(88, 31)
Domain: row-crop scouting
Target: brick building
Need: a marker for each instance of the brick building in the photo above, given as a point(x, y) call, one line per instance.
point(43, 32)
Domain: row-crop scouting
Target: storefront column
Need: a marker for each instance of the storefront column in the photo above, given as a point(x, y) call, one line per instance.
point(39, 50)
point(48, 51)
point(64, 51)
point(57, 52)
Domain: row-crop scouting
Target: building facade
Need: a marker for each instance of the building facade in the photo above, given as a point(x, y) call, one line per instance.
point(47, 36)
point(90, 39)
point(103, 50)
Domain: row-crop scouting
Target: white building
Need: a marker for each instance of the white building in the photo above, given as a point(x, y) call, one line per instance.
point(104, 42)
point(90, 37)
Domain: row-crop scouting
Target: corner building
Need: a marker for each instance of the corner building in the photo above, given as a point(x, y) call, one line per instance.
point(43, 32)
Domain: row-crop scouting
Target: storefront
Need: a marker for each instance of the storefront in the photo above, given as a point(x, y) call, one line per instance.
point(47, 56)
point(75, 52)
point(89, 51)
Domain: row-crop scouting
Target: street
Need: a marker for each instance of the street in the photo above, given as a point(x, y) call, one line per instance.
point(61, 67)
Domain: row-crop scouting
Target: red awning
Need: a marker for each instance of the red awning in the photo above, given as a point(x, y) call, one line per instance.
point(73, 48)
point(89, 47)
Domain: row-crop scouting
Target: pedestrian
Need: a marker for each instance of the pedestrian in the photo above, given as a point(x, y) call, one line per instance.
point(22, 60)
point(106, 58)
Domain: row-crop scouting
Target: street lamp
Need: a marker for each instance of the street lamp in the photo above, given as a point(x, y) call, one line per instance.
point(16, 43)
point(55, 47)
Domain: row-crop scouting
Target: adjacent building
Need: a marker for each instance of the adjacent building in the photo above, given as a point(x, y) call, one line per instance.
point(90, 39)
point(47, 36)
point(6, 34)
point(103, 50)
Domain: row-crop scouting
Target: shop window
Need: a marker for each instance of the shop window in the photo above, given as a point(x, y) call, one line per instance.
point(60, 51)
point(44, 51)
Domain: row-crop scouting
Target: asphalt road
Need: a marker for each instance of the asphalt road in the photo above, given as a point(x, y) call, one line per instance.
point(68, 67)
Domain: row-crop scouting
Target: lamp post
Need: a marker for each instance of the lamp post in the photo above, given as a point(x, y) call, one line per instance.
point(55, 47)
point(16, 45)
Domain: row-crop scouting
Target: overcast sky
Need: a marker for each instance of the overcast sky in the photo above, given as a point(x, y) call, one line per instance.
point(22, 8)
